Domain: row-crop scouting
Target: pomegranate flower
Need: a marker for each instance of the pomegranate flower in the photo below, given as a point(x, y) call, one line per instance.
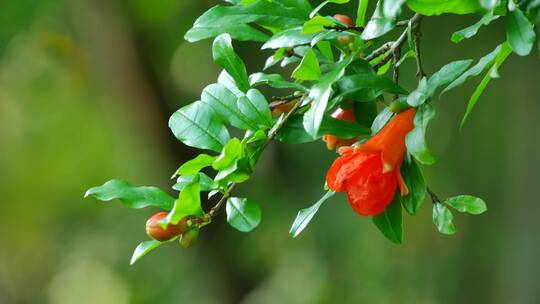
point(333, 142)
point(370, 173)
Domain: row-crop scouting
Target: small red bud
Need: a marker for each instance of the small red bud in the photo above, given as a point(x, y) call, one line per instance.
point(155, 231)
point(344, 19)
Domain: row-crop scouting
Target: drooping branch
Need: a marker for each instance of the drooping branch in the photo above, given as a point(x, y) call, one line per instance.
point(345, 28)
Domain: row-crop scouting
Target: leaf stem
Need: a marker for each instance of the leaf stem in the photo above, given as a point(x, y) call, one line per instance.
point(434, 198)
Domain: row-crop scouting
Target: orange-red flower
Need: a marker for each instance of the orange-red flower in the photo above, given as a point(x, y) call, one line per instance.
point(333, 142)
point(370, 173)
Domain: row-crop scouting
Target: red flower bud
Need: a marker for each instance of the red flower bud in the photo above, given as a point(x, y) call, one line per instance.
point(155, 231)
point(333, 142)
point(370, 173)
point(344, 19)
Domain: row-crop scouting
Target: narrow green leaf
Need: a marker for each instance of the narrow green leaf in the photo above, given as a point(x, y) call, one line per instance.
point(143, 248)
point(320, 94)
point(412, 175)
point(304, 216)
point(188, 203)
point(445, 75)
point(288, 38)
point(192, 167)
point(467, 203)
point(416, 139)
point(242, 214)
point(442, 218)
point(241, 32)
point(380, 120)
point(274, 80)
point(308, 69)
point(437, 7)
point(390, 222)
point(361, 14)
point(472, 30)
point(326, 50)
point(196, 126)
point(519, 31)
point(294, 133)
point(133, 197)
point(475, 70)
point(224, 55)
point(501, 57)
point(318, 8)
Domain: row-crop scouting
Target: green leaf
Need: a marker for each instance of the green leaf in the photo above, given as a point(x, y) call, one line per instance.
point(232, 151)
point(367, 87)
point(133, 197)
point(143, 248)
point(274, 80)
point(501, 57)
point(316, 24)
point(188, 203)
point(308, 69)
point(192, 167)
point(196, 126)
point(205, 182)
point(380, 120)
point(325, 48)
point(392, 9)
point(475, 70)
point(519, 31)
point(320, 94)
point(379, 24)
point(416, 139)
point(224, 55)
point(361, 13)
point(288, 38)
point(225, 104)
point(445, 75)
point(255, 107)
point(304, 216)
point(390, 222)
point(241, 32)
point(294, 133)
point(437, 7)
point(412, 175)
point(234, 19)
point(467, 203)
point(225, 79)
point(242, 214)
point(472, 30)
point(489, 4)
point(442, 218)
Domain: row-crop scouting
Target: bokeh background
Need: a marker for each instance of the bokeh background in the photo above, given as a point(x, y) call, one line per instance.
point(86, 88)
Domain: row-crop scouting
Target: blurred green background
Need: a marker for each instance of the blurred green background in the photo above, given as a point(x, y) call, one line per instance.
point(86, 88)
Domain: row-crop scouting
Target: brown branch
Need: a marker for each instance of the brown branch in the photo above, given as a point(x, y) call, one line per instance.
point(378, 52)
point(344, 29)
point(416, 40)
point(396, 44)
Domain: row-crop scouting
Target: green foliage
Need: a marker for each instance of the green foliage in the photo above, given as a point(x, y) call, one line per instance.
point(329, 72)
point(242, 214)
point(133, 197)
point(390, 222)
point(305, 216)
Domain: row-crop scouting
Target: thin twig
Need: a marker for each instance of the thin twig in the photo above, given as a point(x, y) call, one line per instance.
point(344, 29)
point(402, 38)
point(378, 52)
point(434, 198)
point(416, 40)
point(395, 67)
point(214, 210)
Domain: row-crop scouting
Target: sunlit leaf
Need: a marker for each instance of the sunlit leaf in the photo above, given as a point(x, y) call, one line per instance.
point(467, 203)
point(442, 218)
point(242, 214)
point(304, 216)
point(416, 139)
point(133, 197)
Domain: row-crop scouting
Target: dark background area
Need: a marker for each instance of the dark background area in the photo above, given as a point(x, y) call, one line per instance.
point(86, 89)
